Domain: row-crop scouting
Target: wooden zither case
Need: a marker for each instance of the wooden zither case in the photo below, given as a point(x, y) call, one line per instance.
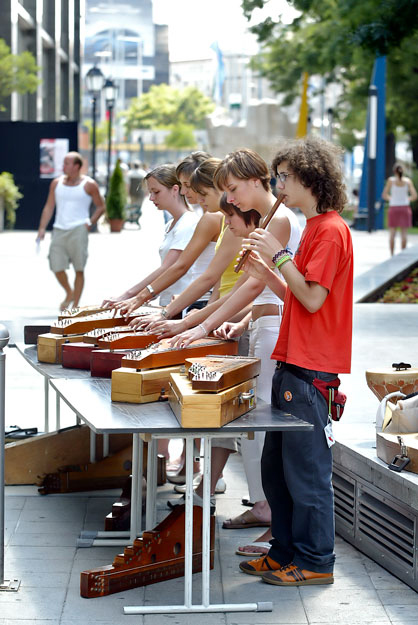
point(145, 375)
point(222, 389)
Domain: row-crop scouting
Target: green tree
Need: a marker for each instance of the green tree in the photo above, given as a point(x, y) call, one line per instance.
point(168, 108)
point(18, 72)
point(181, 136)
point(117, 196)
point(339, 40)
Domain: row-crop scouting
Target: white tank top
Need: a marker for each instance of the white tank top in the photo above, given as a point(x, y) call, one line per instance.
point(399, 194)
point(72, 204)
point(200, 265)
point(267, 296)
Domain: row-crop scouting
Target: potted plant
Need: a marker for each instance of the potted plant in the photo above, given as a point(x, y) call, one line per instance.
point(116, 199)
point(9, 200)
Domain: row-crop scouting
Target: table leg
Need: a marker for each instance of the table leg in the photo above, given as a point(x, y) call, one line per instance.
point(92, 446)
point(57, 411)
point(105, 445)
point(46, 404)
point(206, 606)
point(136, 488)
point(207, 449)
point(150, 514)
point(121, 538)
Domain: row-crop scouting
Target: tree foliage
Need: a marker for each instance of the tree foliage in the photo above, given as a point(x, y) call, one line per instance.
point(339, 40)
point(117, 196)
point(18, 72)
point(164, 107)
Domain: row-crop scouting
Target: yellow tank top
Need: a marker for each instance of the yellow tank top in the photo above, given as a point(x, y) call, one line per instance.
point(229, 277)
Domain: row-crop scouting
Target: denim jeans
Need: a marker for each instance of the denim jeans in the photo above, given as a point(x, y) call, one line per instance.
point(296, 472)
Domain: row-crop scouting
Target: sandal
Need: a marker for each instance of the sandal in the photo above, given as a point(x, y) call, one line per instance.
point(244, 520)
point(261, 548)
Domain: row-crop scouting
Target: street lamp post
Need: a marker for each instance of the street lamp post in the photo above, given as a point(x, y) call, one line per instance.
point(110, 90)
point(372, 151)
point(94, 84)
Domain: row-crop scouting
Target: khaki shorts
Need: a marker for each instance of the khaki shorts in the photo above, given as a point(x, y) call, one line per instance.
point(68, 246)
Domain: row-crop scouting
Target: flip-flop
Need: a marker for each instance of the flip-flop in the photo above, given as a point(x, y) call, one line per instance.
point(244, 520)
point(257, 552)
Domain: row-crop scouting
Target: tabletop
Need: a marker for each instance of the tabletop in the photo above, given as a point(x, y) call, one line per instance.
point(91, 400)
point(29, 353)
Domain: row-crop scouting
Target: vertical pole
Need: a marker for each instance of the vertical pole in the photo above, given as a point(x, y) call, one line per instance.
point(372, 149)
point(93, 142)
point(109, 146)
point(4, 339)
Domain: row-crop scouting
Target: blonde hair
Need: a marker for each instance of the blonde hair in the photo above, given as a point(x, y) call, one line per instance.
point(166, 175)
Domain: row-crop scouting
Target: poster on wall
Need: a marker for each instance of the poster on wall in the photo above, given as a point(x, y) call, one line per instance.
point(51, 156)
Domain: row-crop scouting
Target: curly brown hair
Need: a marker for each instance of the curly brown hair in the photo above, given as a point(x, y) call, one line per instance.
point(317, 165)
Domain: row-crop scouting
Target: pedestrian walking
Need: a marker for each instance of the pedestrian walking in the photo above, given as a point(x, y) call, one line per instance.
point(71, 195)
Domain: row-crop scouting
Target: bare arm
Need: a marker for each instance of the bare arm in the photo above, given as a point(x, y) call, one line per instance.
point(206, 230)
point(127, 299)
point(310, 294)
point(226, 252)
point(48, 210)
point(386, 190)
point(92, 188)
point(412, 191)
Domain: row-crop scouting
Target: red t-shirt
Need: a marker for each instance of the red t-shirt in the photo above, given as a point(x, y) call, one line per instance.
point(322, 340)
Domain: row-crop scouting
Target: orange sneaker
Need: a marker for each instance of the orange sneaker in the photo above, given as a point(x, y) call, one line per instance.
point(292, 575)
point(259, 566)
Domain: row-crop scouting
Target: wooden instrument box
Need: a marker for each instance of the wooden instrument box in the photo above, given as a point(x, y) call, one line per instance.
point(50, 346)
point(195, 409)
point(31, 333)
point(104, 361)
point(141, 387)
point(77, 355)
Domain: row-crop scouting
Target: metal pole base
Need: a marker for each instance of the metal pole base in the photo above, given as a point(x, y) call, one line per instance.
point(262, 606)
point(10, 585)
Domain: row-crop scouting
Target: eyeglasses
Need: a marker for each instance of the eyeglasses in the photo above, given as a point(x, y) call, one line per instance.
point(283, 176)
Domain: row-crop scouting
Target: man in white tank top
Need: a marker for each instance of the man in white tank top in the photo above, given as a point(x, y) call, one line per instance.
point(71, 194)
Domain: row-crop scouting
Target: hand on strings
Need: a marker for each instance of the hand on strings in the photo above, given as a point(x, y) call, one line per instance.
point(127, 306)
point(144, 322)
point(263, 242)
point(110, 302)
point(229, 330)
point(185, 338)
point(166, 328)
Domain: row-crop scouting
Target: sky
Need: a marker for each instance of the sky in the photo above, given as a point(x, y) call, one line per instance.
point(195, 24)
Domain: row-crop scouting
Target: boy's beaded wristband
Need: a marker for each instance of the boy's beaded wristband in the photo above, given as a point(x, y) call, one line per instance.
point(279, 254)
point(282, 261)
point(202, 327)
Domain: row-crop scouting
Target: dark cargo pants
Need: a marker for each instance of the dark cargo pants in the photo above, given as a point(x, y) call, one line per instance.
point(296, 473)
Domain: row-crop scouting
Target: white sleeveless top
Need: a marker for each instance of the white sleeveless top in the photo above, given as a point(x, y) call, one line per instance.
point(398, 194)
point(267, 296)
point(200, 265)
point(177, 239)
point(72, 204)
